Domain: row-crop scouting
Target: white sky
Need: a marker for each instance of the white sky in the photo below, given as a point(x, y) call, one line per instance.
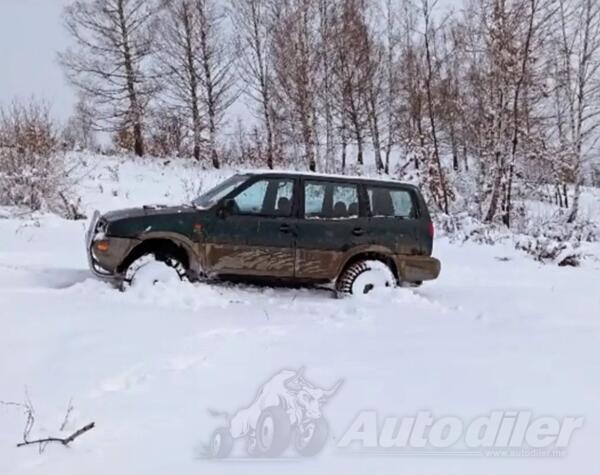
point(31, 33)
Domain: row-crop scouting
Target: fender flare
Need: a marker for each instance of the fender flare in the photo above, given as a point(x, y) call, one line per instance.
point(370, 252)
point(177, 239)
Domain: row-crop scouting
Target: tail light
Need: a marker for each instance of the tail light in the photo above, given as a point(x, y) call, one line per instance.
point(430, 229)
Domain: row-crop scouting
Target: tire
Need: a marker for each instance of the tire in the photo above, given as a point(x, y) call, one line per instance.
point(151, 269)
point(413, 285)
point(363, 276)
point(273, 432)
point(313, 440)
point(221, 443)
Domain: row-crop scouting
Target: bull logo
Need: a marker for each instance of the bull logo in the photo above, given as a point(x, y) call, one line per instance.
point(287, 409)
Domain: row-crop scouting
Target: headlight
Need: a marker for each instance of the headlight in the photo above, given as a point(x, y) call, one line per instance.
point(101, 226)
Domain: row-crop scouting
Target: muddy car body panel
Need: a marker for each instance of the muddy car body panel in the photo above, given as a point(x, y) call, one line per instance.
point(290, 227)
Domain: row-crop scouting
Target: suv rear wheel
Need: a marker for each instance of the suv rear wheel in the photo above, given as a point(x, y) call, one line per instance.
point(362, 277)
point(153, 268)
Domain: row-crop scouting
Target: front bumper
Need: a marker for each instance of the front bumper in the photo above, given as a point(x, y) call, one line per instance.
point(106, 267)
point(89, 242)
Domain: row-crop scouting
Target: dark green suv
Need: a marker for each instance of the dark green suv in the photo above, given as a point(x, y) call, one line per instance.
point(353, 233)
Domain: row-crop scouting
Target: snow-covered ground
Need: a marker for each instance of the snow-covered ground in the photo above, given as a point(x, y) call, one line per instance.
point(497, 331)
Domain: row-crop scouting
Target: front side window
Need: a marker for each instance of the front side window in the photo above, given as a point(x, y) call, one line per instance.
point(271, 197)
point(212, 196)
point(389, 202)
point(324, 200)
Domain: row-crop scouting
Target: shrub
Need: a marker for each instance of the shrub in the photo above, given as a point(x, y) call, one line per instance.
point(33, 173)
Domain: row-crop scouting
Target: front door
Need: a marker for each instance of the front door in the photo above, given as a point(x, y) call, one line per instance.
point(256, 236)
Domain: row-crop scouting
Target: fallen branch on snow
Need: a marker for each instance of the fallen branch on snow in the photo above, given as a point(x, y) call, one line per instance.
point(29, 411)
point(66, 441)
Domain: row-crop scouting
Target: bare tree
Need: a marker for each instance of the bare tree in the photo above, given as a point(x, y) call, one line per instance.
point(109, 61)
point(509, 49)
point(450, 92)
point(79, 131)
point(168, 132)
point(391, 78)
point(217, 79)
point(325, 89)
point(351, 66)
point(501, 42)
point(410, 110)
point(374, 90)
point(178, 62)
point(428, 36)
point(295, 63)
point(576, 73)
point(520, 104)
point(253, 26)
point(196, 66)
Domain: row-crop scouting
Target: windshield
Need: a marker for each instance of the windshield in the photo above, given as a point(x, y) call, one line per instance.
point(212, 196)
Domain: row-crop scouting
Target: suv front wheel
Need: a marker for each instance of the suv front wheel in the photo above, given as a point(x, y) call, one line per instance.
point(362, 277)
point(151, 269)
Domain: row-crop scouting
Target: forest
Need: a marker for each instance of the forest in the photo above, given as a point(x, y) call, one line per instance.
point(485, 104)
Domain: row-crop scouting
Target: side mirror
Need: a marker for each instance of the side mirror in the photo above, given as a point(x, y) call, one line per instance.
point(227, 208)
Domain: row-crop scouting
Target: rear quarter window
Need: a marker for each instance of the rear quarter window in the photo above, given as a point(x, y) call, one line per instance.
point(392, 202)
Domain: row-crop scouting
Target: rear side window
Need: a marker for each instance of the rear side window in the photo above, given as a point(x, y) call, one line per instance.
point(328, 200)
point(391, 202)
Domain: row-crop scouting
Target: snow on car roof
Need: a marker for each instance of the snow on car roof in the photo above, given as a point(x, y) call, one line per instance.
point(322, 175)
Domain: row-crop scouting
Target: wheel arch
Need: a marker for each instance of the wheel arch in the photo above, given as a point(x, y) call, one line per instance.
point(370, 254)
point(159, 243)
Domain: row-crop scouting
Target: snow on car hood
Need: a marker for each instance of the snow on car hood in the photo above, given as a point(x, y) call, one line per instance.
point(146, 210)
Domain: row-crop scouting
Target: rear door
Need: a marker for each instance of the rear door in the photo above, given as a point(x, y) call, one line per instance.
point(393, 218)
point(330, 224)
point(257, 237)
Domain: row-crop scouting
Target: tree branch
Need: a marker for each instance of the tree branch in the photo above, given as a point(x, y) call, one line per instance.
point(66, 441)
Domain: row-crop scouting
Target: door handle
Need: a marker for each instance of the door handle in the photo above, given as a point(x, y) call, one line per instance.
point(358, 231)
point(286, 228)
